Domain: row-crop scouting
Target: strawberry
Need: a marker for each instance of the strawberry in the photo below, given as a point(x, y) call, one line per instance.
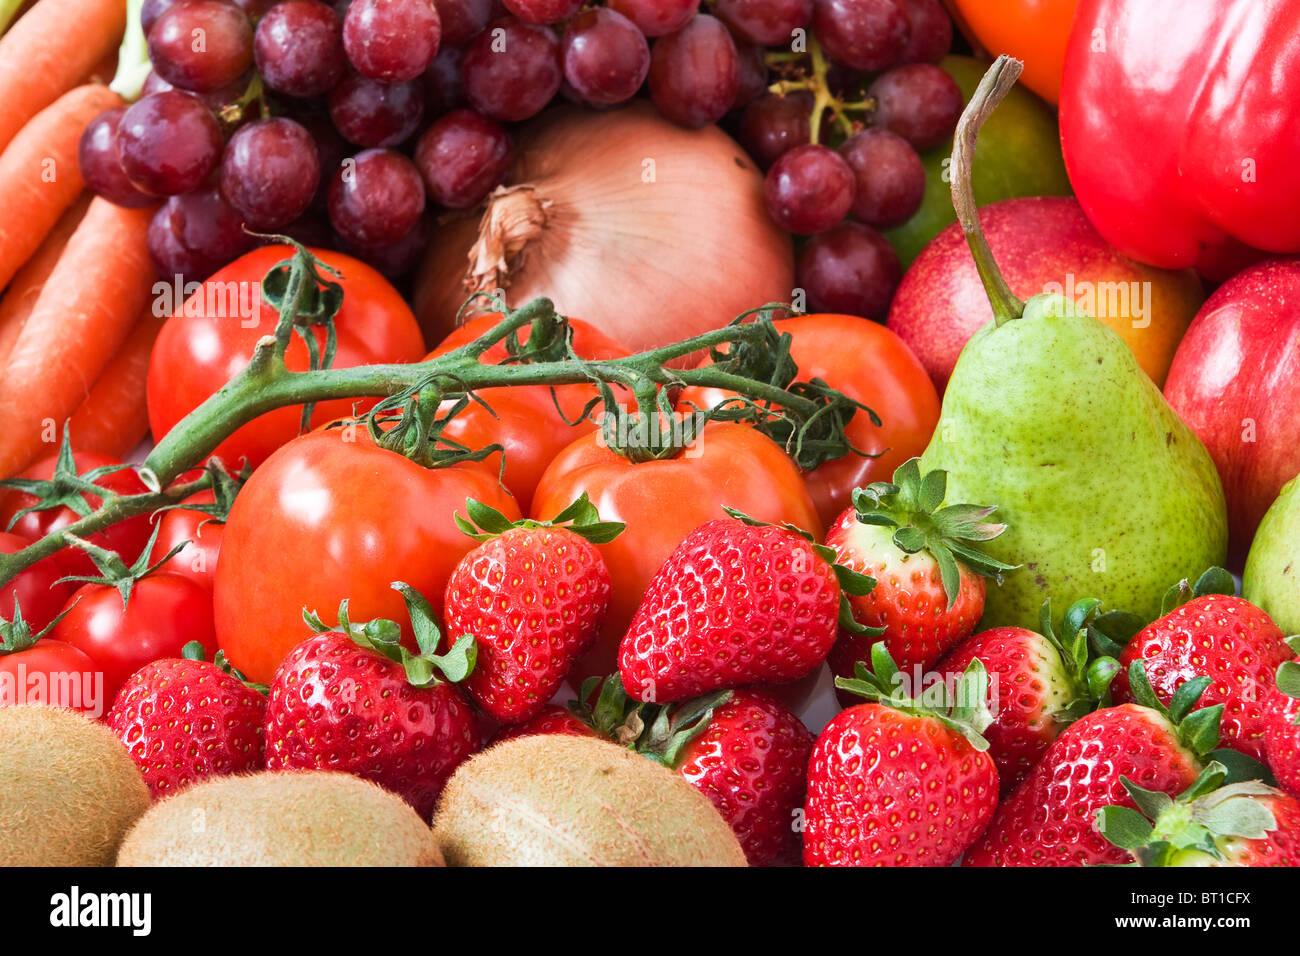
point(551, 719)
point(738, 602)
point(1209, 824)
point(1039, 683)
point(351, 698)
point(534, 595)
point(1282, 724)
point(1207, 631)
point(183, 720)
point(929, 592)
point(902, 780)
point(1048, 820)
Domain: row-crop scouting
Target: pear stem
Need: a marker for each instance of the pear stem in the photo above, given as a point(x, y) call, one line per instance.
point(997, 82)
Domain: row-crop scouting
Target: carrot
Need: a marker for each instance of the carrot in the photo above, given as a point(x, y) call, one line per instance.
point(39, 174)
point(48, 51)
point(17, 301)
point(114, 418)
point(86, 310)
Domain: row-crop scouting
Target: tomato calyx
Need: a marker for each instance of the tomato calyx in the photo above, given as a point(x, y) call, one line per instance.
point(193, 651)
point(16, 635)
point(224, 487)
point(581, 517)
point(115, 572)
point(65, 488)
point(423, 669)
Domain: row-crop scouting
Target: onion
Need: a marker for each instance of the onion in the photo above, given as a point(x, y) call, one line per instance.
point(648, 231)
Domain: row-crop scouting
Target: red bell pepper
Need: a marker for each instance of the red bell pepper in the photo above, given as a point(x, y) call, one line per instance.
point(1180, 124)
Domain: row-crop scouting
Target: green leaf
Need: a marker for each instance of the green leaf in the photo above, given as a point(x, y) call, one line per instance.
point(932, 489)
point(1151, 802)
point(1124, 827)
point(193, 651)
point(909, 539)
point(853, 582)
point(423, 624)
point(949, 573)
point(1238, 767)
point(1215, 581)
point(486, 517)
point(458, 663)
point(1288, 678)
point(1200, 730)
point(1242, 817)
point(1099, 676)
point(1186, 697)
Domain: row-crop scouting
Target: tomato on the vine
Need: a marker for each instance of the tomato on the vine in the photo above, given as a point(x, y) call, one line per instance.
point(663, 501)
point(332, 515)
point(36, 591)
point(207, 341)
point(200, 536)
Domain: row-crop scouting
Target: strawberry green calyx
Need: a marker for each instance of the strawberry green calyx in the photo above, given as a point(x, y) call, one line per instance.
point(193, 651)
point(423, 669)
point(1213, 581)
point(911, 505)
point(1164, 831)
point(581, 517)
point(658, 731)
point(115, 572)
point(1089, 641)
point(16, 635)
point(1198, 730)
point(1288, 674)
point(963, 707)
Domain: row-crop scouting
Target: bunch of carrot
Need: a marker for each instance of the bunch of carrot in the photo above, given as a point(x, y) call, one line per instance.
point(75, 323)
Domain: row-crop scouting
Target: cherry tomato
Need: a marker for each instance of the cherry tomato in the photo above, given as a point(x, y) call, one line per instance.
point(165, 612)
point(127, 538)
point(329, 516)
point(661, 502)
point(867, 362)
point(198, 559)
point(37, 591)
point(208, 340)
point(55, 674)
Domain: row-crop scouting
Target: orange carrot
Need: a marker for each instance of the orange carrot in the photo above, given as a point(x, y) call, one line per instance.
point(48, 51)
point(17, 302)
point(39, 174)
point(90, 302)
point(114, 418)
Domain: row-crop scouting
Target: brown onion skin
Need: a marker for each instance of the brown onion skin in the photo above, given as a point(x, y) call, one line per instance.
point(710, 252)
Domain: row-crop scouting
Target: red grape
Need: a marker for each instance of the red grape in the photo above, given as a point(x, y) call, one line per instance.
point(375, 197)
point(930, 36)
point(462, 156)
point(100, 167)
point(195, 234)
point(512, 70)
point(693, 73)
point(391, 41)
point(151, 10)
point(751, 74)
point(462, 20)
point(810, 188)
point(919, 102)
point(606, 58)
point(889, 174)
point(376, 114)
point(168, 142)
point(299, 48)
point(394, 259)
point(849, 269)
point(200, 45)
point(765, 22)
point(543, 11)
point(657, 18)
point(444, 90)
point(862, 34)
point(221, 100)
point(269, 172)
point(772, 125)
point(255, 9)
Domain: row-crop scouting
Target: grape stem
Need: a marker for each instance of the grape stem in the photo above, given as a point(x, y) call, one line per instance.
point(823, 98)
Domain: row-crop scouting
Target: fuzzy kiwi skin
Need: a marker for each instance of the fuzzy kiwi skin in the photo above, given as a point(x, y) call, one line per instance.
point(308, 818)
point(68, 789)
point(552, 800)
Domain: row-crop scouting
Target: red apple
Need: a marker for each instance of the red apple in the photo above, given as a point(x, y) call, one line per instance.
point(1042, 244)
point(1235, 381)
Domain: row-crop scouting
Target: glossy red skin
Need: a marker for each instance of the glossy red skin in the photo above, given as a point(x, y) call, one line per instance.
point(183, 721)
point(869, 363)
point(534, 599)
point(335, 705)
point(1049, 819)
point(1225, 638)
point(53, 664)
point(199, 533)
point(752, 763)
point(732, 605)
point(1281, 739)
point(36, 591)
point(1236, 370)
point(165, 612)
point(127, 538)
point(1030, 678)
point(871, 768)
point(551, 719)
point(661, 502)
point(1156, 129)
point(332, 516)
point(197, 354)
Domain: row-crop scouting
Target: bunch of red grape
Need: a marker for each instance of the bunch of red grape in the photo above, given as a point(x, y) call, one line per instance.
point(341, 124)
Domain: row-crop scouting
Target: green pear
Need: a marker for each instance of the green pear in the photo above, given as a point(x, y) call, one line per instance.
point(1104, 491)
point(1272, 576)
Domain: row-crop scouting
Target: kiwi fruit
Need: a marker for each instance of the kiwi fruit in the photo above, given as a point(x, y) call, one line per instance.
point(307, 818)
point(68, 789)
point(552, 800)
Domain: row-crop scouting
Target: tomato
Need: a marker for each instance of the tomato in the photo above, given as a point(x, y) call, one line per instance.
point(1034, 31)
point(165, 612)
point(127, 538)
point(197, 560)
point(526, 423)
point(36, 591)
point(867, 362)
point(329, 516)
point(663, 501)
point(206, 342)
point(53, 673)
